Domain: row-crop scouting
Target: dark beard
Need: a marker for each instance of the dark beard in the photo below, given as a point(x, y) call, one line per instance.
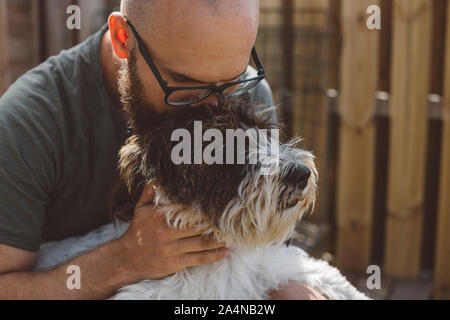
point(143, 116)
point(210, 186)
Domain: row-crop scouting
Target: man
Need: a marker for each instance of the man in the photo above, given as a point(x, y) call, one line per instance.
point(61, 126)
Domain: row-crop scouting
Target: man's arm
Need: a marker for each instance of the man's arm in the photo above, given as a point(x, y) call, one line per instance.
point(101, 275)
point(148, 250)
point(13, 259)
point(31, 157)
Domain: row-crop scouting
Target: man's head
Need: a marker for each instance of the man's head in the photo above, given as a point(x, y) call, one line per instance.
point(192, 42)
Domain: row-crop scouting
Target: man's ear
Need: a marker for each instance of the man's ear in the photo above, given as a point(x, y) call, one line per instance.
point(120, 35)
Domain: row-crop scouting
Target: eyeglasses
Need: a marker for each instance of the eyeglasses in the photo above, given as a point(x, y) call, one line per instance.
point(183, 96)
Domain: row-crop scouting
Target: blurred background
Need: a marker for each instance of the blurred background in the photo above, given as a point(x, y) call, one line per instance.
point(373, 105)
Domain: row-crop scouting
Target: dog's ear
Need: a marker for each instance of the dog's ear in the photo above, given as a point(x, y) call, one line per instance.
point(127, 191)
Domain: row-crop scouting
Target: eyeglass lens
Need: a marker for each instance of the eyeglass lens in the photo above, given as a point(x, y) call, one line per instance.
point(196, 95)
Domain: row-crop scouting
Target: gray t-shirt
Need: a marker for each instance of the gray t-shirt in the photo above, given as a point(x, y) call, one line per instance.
point(60, 134)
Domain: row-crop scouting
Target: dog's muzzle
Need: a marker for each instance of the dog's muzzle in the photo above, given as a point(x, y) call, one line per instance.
point(297, 176)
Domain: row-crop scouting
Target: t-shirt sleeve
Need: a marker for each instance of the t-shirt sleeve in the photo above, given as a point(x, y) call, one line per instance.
point(28, 166)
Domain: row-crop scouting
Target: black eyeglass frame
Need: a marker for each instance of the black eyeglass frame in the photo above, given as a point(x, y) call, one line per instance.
point(168, 90)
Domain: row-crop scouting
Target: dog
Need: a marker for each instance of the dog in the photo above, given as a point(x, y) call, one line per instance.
point(243, 205)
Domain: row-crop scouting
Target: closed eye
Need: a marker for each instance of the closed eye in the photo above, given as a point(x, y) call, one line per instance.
point(183, 80)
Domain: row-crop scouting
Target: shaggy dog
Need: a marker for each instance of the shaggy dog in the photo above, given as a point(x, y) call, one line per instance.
point(237, 203)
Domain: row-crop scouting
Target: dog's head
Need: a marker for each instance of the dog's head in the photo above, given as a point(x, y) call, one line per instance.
point(247, 192)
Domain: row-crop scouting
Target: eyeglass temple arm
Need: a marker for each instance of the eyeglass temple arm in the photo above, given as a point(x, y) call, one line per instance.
point(257, 62)
point(145, 53)
point(155, 70)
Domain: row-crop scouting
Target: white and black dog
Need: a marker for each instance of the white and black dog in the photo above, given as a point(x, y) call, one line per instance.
point(251, 211)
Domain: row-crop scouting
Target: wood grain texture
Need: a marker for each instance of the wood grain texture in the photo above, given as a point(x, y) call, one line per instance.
point(4, 53)
point(310, 83)
point(411, 48)
point(20, 38)
point(442, 262)
point(358, 83)
point(93, 16)
point(56, 35)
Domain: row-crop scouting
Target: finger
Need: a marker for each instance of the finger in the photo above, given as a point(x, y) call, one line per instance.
point(188, 233)
point(177, 234)
point(197, 244)
point(152, 216)
point(200, 258)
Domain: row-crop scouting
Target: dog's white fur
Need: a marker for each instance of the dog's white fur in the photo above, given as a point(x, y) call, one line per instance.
point(245, 274)
point(252, 225)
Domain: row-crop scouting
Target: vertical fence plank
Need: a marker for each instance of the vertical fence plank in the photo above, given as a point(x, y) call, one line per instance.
point(328, 180)
point(358, 83)
point(385, 46)
point(310, 51)
point(19, 30)
point(270, 45)
point(56, 36)
point(442, 265)
point(4, 54)
point(409, 108)
point(431, 184)
point(434, 135)
point(93, 16)
point(334, 28)
point(381, 165)
point(287, 70)
point(438, 46)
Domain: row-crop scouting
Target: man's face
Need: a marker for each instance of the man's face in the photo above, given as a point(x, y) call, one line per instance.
point(191, 46)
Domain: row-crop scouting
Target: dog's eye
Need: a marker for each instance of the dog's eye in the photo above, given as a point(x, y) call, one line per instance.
point(292, 204)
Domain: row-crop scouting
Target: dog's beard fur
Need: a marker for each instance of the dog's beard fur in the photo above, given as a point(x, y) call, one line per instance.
point(235, 202)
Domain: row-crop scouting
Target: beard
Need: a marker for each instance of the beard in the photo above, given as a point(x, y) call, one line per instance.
point(142, 114)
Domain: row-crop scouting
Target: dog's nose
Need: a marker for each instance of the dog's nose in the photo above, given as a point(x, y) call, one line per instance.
point(298, 175)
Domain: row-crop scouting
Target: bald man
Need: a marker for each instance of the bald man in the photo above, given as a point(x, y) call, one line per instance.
point(62, 124)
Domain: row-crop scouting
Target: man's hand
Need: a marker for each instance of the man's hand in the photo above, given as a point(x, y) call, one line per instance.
point(295, 290)
point(152, 250)
point(148, 250)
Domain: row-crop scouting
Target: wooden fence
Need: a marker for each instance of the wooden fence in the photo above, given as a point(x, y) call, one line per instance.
point(32, 30)
point(395, 74)
point(383, 138)
point(293, 42)
point(384, 158)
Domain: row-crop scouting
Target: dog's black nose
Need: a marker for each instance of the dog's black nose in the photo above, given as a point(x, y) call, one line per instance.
point(297, 175)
